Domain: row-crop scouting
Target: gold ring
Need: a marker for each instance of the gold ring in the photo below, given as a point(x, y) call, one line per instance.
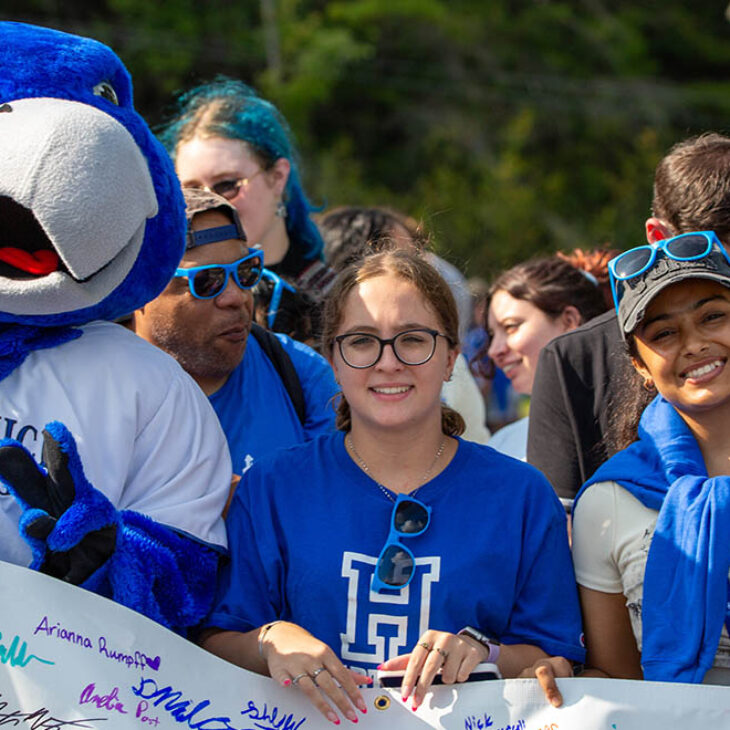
point(444, 654)
point(425, 645)
point(296, 679)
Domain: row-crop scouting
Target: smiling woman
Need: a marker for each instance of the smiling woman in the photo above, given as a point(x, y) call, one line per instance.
point(381, 536)
point(651, 546)
point(529, 305)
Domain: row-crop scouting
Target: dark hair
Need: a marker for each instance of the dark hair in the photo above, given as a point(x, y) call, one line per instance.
point(233, 110)
point(551, 284)
point(629, 399)
point(351, 232)
point(692, 186)
point(595, 263)
point(411, 267)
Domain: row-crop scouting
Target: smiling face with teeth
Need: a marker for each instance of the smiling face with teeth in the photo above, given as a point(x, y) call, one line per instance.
point(682, 345)
point(390, 394)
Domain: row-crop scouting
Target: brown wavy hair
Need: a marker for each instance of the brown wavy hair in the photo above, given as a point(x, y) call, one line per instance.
point(411, 267)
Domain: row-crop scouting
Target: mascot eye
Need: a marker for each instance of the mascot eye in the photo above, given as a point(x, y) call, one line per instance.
point(106, 90)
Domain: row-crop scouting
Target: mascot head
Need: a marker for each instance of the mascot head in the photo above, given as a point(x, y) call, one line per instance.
point(91, 214)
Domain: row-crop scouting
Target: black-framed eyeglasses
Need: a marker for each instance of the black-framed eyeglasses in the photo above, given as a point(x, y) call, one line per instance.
point(412, 347)
point(229, 189)
point(207, 282)
point(396, 562)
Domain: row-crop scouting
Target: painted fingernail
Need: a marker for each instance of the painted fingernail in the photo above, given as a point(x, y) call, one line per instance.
point(414, 708)
point(405, 698)
point(333, 718)
point(286, 682)
point(351, 716)
point(361, 706)
point(380, 666)
point(368, 680)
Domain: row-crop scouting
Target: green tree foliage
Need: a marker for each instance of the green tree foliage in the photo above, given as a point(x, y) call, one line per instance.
point(511, 127)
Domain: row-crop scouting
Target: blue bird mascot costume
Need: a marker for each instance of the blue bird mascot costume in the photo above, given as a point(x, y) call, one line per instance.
point(113, 469)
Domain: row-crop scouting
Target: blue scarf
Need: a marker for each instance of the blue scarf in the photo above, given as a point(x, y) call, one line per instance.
point(17, 341)
point(686, 579)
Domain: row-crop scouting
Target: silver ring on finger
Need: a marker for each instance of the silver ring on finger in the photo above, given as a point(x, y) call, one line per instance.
point(443, 652)
point(316, 673)
point(425, 645)
point(295, 680)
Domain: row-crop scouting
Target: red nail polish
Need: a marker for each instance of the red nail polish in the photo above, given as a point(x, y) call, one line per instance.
point(380, 666)
point(405, 699)
point(369, 680)
point(414, 708)
point(287, 682)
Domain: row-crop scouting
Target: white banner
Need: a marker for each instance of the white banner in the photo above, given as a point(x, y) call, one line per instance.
point(69, 659)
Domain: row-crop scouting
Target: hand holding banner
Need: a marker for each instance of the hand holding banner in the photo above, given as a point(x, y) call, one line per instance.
point(70, 659)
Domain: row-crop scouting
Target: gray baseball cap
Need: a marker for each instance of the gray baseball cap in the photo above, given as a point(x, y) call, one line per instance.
point(636, 293)
point(200, 200)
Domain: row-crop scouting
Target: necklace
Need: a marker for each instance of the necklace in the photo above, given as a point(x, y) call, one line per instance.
point(387, 492)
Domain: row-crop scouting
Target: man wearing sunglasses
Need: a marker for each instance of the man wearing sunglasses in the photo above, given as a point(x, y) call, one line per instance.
point(203, 319)
point(579, 372)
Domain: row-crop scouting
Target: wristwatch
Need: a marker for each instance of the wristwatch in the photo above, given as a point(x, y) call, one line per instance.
point(493, 646)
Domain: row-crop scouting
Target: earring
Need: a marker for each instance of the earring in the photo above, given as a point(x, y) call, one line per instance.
point(280, 210)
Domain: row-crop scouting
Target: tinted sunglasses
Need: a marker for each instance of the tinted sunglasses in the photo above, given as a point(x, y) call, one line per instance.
point(209, 281)
point(636, 261)
point(396, 562)
point(229, 189)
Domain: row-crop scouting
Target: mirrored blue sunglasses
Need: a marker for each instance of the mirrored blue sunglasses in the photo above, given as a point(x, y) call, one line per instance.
point(636, 261)
point(396, 562)
point(207, 282)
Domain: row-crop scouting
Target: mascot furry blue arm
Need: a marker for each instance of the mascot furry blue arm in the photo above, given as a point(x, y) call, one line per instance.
point(114, 470)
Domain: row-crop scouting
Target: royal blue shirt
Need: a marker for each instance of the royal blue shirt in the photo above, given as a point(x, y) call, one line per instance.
point(306, 527)
point(256, 412)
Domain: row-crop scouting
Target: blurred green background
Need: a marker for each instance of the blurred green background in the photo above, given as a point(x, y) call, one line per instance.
point(508, 127)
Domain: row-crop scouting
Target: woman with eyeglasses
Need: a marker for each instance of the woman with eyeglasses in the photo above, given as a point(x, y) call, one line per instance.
point(392, 544)
point(651, 544)
point(226, 138)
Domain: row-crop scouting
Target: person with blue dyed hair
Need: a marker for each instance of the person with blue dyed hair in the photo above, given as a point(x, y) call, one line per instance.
point(224, 137)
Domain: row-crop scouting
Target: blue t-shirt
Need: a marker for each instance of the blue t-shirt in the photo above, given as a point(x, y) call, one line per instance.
point(256, 412)
point(306, 527)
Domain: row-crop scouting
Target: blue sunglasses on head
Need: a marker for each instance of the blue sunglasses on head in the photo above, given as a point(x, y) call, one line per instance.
point(636, 261)
point(207, 282)
point(396, 563)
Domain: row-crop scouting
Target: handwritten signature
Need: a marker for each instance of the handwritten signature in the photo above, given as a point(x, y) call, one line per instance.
point(109, 701)
point(267, 720)
point(197, 716)
point(138, 660)
point(16, 656)
point(41, 719)
point(478, 723)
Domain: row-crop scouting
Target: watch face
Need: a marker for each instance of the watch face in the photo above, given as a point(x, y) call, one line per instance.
point(479, 636)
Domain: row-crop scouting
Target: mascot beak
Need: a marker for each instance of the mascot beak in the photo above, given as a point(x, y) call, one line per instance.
point(75, 194)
